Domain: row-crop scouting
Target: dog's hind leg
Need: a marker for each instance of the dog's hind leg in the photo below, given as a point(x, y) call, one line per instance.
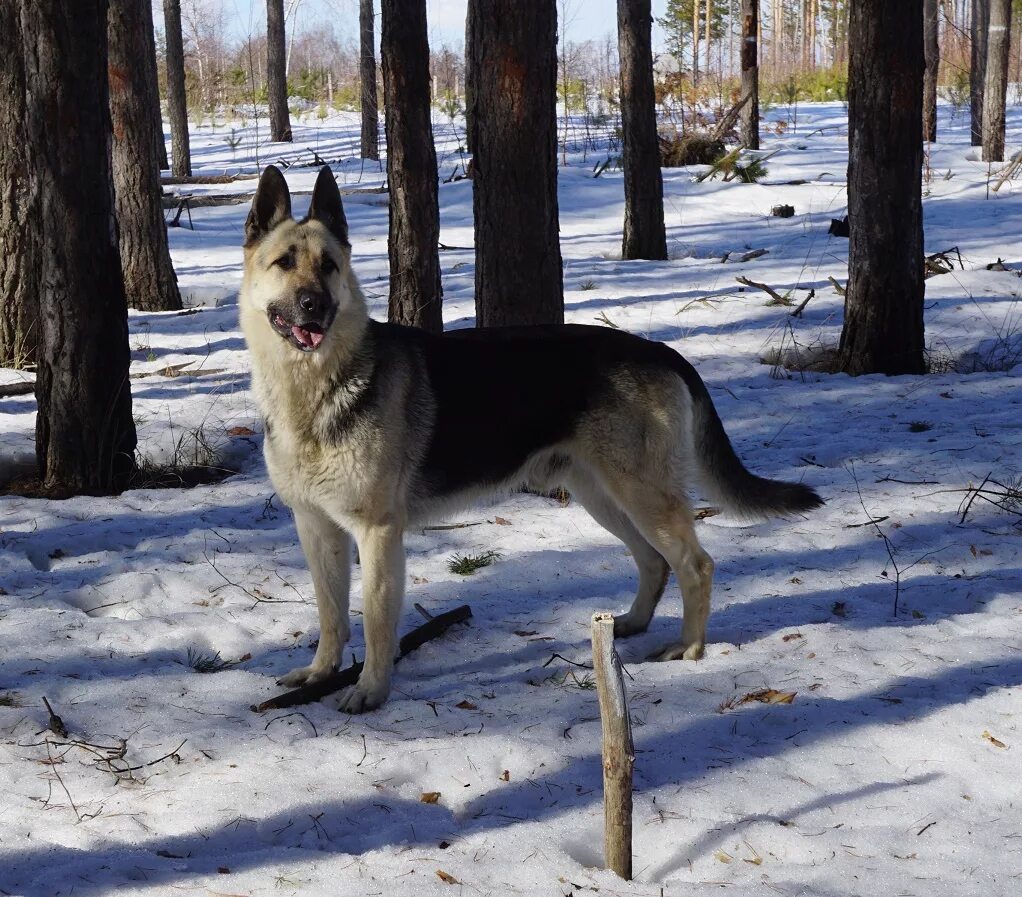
point(665, 520)
point(382, 552)
point(653, 569)
point(327, 550)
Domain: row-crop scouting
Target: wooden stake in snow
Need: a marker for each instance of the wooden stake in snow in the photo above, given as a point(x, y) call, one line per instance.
point(618, 753)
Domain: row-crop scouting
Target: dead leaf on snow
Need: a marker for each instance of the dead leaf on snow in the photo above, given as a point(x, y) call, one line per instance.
point(446, 877)
point(996, 742)
point(501, 521)
point(466, 705)
point(768, 696)
point(240, 431)
point(429, 797)
point(791, 636)
point(723, 857)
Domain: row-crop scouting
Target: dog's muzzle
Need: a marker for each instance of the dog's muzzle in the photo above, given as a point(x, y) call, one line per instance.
point(304, 320)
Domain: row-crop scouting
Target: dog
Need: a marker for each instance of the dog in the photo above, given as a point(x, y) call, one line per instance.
point(370, 428)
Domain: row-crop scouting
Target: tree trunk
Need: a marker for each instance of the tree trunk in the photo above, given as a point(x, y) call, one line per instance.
point(931, 51)
point(750, 74)
point(415, 290)
point(644, 236)
point(695, 42)
point(995, 86)
point(276, 72)
point(151, 77)
point(469, 83)
point(85, 435)
point(978, 30)
point(883, 329)
point(177, 99)
point(20, 330)
point(513, 47)
point(149, 280)
point(367, 82)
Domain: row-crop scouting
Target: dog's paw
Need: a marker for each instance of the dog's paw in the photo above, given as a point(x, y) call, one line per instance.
point(679, 651)
point(305, 676)
point(362, 697)
point(625, 625)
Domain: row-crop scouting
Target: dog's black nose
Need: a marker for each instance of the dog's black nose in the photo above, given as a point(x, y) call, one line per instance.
point(311, 302)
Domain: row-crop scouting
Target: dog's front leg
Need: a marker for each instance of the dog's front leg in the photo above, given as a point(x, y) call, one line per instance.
point(327, 550)
point(381, 548)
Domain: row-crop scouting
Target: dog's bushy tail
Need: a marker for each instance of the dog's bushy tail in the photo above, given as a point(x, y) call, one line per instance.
point(724, 475)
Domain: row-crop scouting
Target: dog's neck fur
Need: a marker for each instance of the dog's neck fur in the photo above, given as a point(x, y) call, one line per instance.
point(300, 383)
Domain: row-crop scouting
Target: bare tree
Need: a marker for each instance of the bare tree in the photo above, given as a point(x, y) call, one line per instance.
point(149, 280)
point(85, 435)
point(931, 51)
point(644, 236)
point(367, 80)
point(750, 73)
point(883, 328)
point(276, 72)
point(177, 99)
point(979, 30)
point(995, 86)
point(513, 60)
point(20, 330)
point(415, 290)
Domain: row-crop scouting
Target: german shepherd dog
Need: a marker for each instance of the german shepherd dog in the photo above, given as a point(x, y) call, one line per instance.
point(371, 428)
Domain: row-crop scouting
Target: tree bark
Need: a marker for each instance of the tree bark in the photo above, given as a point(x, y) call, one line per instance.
point(931, 51)
point(995, 86)
point(415, 290)
point(177, 99)
point(469, 83)
point(513, 48)
point(149, 279)
point(85, 435)
point(276, 72)
point(750, 73)
point(644, 236)
point(152, 77)
point(978, 30)
point(20, 330)
point(883, 328)
point(367, 82)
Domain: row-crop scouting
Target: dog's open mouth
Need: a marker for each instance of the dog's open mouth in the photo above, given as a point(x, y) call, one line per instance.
point(306, 336)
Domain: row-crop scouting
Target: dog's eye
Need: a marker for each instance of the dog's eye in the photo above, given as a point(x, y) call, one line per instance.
point(285, 262)
point(328, 265)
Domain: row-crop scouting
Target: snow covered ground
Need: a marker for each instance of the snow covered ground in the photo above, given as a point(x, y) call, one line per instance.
point(894, 770)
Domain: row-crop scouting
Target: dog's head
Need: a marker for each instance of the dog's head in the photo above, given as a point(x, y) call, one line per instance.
point(297, 273)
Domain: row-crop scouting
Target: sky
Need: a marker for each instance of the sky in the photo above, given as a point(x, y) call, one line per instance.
point(586, 19)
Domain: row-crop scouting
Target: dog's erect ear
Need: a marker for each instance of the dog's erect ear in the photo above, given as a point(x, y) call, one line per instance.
point(326, 206)
point(272, 204)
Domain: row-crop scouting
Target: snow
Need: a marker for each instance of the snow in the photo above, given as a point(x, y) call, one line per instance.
point(895, 768)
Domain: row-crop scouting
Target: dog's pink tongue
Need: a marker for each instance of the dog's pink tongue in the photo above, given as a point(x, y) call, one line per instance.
point(310, 338)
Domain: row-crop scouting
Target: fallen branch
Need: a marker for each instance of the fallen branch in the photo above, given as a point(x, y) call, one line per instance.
point(727, 122)
point(1011, 169)
point(17, 389)
point(429, 630)
point(777, 297)
point(797, 313)
point(207, 178)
